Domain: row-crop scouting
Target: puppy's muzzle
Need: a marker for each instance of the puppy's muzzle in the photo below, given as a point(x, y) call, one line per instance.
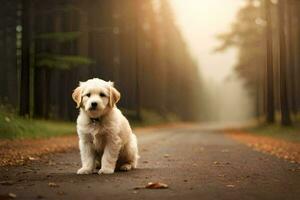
point(94, 106)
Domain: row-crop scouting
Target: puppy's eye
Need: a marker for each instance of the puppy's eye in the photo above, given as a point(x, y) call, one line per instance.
point(88, 94)
point(102, 94)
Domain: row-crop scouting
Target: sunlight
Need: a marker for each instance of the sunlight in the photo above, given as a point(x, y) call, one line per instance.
point(200, 22)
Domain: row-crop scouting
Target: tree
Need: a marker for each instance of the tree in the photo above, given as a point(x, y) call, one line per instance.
point(137, 63)
point(25, 69)
point(284, 101)
point(270, 118)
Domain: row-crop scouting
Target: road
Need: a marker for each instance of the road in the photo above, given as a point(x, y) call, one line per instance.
point(196, 164)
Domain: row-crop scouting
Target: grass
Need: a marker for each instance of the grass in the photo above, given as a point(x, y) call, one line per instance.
point(13, 126)
point(291, 133)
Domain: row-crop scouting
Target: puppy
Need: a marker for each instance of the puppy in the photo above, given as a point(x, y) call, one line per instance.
point(105, 137)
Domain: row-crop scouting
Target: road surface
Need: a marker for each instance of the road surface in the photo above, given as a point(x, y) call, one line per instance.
point(195, 163)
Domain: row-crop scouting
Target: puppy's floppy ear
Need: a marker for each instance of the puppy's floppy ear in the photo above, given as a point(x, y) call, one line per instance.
point(114, 96)
point(77, 96)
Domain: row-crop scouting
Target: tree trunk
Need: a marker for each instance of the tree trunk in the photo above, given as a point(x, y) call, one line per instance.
point(137, 67)
point(269, 74)
point(25, 69)
point(291, 58)
point(284, 102)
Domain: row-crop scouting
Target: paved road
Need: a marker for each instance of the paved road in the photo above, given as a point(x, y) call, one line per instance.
point(195, 163)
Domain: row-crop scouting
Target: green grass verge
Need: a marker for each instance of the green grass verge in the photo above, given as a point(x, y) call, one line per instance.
point(291, 133)
point(13, 126)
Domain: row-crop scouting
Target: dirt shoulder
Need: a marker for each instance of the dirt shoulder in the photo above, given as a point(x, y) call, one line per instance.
point(18, 152)
point(284, 149)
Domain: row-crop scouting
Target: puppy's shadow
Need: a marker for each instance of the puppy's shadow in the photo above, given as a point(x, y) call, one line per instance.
point(73, 177)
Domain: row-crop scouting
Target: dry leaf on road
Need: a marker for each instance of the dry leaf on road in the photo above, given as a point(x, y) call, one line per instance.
point(231, 186)
point(12, 195)
point(51, 184)
point(156, 185)
point(151, 185)
point(6, 182)
point(32, 158)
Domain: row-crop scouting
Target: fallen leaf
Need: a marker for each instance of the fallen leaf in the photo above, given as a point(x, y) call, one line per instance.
point(156, 185)
point(231, 186)
point(51, 184)
point(6, 182)
point(12, 195)
point(294, 169)
point(32, 158)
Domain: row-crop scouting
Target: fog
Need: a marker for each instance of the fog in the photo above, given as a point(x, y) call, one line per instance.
point(225, 97)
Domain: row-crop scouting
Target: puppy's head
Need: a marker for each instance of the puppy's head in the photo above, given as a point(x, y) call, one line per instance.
point(96, 97)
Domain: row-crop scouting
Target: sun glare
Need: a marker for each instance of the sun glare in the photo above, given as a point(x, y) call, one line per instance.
point(200, 22)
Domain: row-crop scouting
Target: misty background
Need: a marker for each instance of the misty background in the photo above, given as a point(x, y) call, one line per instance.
point(226, 97)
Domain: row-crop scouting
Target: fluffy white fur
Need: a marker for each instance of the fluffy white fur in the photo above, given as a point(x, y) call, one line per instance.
point(105, 137)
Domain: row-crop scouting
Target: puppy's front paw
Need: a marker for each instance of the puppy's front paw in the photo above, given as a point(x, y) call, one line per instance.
point(84, 171)
point(106, 171)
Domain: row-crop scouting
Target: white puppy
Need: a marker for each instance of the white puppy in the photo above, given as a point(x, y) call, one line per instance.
point(105, 137)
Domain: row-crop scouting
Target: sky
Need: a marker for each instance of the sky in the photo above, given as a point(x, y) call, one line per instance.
point(200, 21)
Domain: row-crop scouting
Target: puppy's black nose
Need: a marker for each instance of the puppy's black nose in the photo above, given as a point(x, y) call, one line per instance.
point(94, 104)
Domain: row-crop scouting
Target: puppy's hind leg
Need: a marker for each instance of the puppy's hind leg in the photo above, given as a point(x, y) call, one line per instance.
point(98, 156)
point(130, 155)
point(126, 167)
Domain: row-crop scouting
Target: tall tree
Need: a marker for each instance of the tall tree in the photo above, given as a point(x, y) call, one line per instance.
point(284, 102)
point(25, 69)
point(270, 118)
point(137, 63)
point(291, 55)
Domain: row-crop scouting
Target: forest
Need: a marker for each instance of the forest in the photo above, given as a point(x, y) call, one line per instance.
point(266, 34)
point(134, 43)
